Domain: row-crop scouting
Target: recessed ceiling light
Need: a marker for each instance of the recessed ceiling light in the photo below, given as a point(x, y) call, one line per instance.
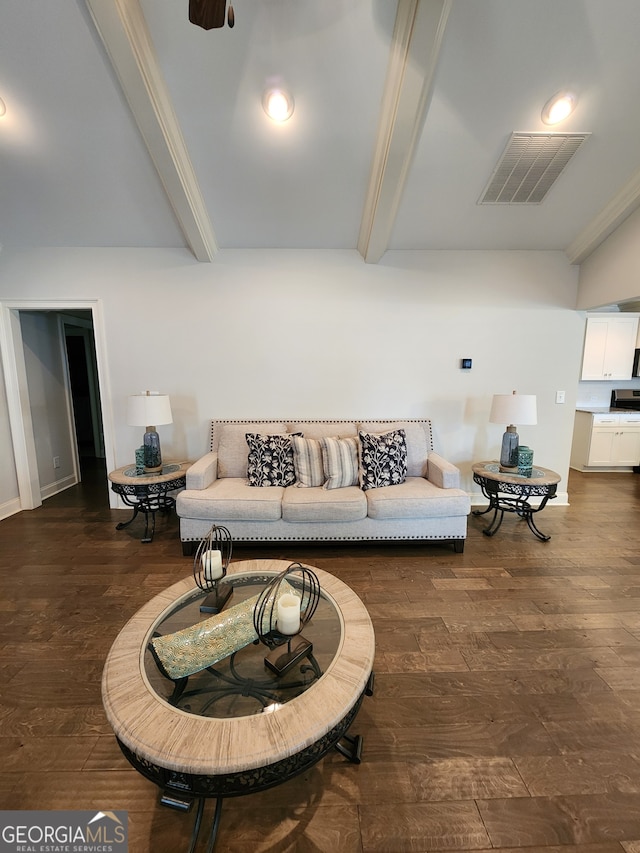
point(278, 104)
point(559, 107)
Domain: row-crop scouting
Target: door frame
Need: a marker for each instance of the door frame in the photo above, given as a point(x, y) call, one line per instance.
point(13, 363)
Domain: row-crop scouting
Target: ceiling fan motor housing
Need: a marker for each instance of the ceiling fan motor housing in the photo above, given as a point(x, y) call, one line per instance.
point(209, 14)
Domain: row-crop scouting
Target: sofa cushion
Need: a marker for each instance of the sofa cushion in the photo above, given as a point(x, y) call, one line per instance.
point(383, 459)
point(270, 460)
point(324, 429)
point(340, 459)
point(416, 498)
point(418, 438)
point(231, 499)
point(232, 445)
point(337, 505)
point(307, 461)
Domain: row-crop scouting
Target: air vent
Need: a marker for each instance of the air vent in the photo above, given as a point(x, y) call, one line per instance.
point(529, 167)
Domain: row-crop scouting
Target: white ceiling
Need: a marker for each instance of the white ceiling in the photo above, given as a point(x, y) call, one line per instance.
point(128, 126)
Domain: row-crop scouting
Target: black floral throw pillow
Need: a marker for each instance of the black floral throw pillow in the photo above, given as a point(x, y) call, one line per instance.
point(383, 459)
point(270, 461)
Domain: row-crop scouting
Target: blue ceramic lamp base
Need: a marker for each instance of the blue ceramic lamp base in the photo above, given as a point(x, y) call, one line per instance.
point(509, 451)
point(152, 455)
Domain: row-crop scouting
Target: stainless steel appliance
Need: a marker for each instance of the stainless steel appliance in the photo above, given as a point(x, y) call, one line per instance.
point(626, 398)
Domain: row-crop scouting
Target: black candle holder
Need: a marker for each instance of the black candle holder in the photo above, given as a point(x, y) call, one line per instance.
point(286, 648)
point(217, 539)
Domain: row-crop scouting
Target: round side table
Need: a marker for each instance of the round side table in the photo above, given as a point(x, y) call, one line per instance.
point(511, 492)
point(148, 493)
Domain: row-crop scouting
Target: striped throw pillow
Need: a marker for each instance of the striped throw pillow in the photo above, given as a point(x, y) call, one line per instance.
point(307, 461)
point(340, 459)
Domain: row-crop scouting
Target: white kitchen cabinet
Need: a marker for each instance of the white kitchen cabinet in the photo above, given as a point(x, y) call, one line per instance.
point(605, 441)
point(609, 346)
point(626, 447)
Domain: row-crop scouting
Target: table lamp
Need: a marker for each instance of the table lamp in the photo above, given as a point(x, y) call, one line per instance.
point(148, 409)
point(511, 409)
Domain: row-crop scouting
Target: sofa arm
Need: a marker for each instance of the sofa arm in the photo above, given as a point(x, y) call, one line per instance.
point(202, 473)
point(442, 473)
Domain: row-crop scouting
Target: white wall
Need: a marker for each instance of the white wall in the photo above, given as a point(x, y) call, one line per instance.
point(322, 334)
point(612, 272)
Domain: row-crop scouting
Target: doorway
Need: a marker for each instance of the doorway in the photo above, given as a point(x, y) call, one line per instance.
point(89, 313)
point(84, 391)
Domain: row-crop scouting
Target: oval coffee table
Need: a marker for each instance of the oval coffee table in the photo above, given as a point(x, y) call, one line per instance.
point(220, 734)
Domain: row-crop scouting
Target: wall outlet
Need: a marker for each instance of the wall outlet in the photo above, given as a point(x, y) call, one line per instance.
point(560, 396)
point(56, 461)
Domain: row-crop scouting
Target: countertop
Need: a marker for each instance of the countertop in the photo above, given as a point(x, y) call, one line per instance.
point(606, 410)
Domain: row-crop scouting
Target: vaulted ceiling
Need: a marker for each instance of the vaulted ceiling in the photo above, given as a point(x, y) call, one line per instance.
point(126, 125)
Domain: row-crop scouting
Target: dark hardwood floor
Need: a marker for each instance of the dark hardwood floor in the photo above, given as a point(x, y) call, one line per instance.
point(506, 712)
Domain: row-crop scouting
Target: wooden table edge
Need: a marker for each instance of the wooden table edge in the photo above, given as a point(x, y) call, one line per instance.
point(550, 478)
point(210, 746)
point(118, 476)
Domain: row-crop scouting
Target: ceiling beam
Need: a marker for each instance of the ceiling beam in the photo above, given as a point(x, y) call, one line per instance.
point(619, 208)
point(415, 47)
point(124, 31)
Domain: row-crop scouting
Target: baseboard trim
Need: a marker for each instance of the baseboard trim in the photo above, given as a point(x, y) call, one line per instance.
point(10, 508)
point(604, 469)
point(59, 486)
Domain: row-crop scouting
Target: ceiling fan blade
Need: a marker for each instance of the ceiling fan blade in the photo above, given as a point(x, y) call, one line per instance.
point(207, 14)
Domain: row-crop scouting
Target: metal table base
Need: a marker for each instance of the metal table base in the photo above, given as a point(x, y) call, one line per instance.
point(509, 494)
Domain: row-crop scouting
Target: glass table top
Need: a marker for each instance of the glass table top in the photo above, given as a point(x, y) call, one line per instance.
point(240, 684)
point(170, 468)
point(494, 467)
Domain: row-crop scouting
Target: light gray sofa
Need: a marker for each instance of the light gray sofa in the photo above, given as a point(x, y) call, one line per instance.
point(428, 505)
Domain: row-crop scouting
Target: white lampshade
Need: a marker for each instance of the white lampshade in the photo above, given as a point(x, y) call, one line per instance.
point(513, 409)
point(149, 409)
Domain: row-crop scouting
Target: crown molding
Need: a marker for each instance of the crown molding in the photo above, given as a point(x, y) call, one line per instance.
point(605, 223)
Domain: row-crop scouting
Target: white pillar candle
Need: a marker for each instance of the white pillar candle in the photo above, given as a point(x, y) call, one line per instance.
point(288, 619)
point(212, 565)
